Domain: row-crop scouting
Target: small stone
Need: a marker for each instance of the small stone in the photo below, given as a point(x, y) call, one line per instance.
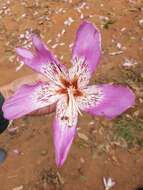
point(44, 152)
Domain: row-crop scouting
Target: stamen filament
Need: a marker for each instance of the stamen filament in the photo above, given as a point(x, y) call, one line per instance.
point(72, 103)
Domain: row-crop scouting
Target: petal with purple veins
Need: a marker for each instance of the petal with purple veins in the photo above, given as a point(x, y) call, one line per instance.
point(80, 72)
point(28, 99)
point(87, 46)
point(43, 61)
point(106, 100)
point(39, 45)
point(64, 130)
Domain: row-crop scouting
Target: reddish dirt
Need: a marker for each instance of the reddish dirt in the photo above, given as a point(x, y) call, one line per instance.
point(33, 168)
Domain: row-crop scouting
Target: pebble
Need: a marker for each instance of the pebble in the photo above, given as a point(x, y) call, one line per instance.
point(44, 152)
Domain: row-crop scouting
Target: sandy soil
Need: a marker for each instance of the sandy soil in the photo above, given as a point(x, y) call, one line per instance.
point(30, 162)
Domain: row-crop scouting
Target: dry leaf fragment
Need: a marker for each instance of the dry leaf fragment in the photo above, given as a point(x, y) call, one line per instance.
point(83, 136)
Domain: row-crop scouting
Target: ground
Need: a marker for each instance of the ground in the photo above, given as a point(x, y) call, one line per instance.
point(102, 148)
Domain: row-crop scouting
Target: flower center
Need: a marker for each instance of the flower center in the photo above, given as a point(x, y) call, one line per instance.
point(70, 87)
point(71, 90)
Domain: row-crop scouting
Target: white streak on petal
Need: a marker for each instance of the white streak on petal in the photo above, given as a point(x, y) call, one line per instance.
point(45, 95)
point(91, 96)
point(66, 112)
point(54, 71)
point(80, 70)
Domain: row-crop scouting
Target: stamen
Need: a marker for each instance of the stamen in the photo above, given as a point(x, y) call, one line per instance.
point(53, 72)
point(72, 103)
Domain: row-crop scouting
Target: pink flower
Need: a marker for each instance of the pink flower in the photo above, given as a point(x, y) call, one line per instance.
point(68, 89)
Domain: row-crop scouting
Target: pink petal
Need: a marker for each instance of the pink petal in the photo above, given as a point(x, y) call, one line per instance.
point(28, 99)
point(88, 45)
point(43, 60)
point(107, 100)
point(39, 45)
point(23, 52)
point(64, 130)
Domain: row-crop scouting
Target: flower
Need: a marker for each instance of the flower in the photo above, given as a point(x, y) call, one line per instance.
point(108, 183)
point(68, 89)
